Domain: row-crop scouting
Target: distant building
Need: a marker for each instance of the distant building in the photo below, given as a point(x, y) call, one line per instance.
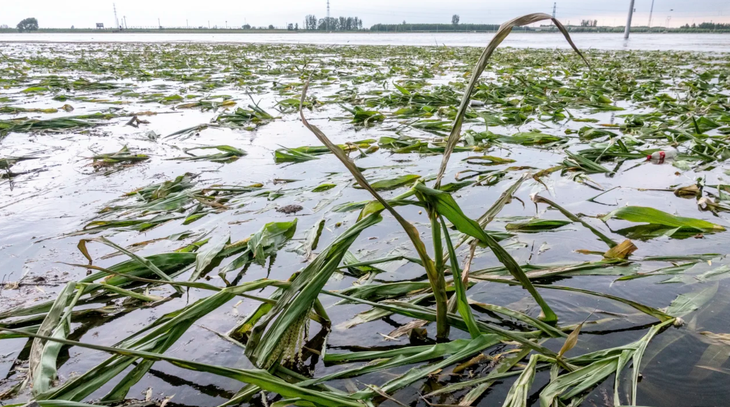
point(99, 25)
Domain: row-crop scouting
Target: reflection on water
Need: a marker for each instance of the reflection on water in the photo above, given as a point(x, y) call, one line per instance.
point(683, 42)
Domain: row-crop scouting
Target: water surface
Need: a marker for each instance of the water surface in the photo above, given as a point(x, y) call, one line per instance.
point(678, 42)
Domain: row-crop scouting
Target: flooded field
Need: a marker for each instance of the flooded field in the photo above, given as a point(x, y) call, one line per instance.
point(602, 41)
point(167, 200)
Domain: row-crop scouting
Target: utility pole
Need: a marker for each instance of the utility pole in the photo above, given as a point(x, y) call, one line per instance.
point(328, 15)
point(125, 22)
point(628, 21)
point(116, 19)
point(555, 7)
point(651, 11)
point(159, 24)
point(187, 25)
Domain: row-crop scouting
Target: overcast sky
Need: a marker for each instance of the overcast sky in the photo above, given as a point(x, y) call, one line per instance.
point(178, 13)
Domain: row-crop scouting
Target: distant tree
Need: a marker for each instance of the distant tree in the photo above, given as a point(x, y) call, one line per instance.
point(271, 26)
point(28, 24)
point(4, 27)
point(247, 26)
point(310, 22)
point(332, 23)
point(329, 24)
point(455, 19)
point(290, 27)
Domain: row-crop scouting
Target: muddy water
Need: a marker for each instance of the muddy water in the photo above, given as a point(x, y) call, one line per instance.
point(664, 42)
point(43, 211)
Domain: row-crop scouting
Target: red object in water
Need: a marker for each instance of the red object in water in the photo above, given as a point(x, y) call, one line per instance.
point(660, 155)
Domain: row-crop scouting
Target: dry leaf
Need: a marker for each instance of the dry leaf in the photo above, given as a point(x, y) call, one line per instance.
point(406, 329)
point(622, 251)
point(478, 359)
point(691, 191)
point(571, 341)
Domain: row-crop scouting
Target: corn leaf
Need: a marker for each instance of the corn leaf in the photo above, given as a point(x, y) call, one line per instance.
point(446, 206)
point(260, 378)
point(520, 390)
point(686, 303)
point(502, 33)
point(653, 216)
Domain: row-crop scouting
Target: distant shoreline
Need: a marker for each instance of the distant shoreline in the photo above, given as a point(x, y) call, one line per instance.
point(222, 31)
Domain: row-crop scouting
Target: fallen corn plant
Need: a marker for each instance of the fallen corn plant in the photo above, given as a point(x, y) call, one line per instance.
point(226, 154)
point(504, 342)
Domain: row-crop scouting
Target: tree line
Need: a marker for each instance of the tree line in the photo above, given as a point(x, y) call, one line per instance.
point(454, 26)
point(708, 26)
point(311, 23)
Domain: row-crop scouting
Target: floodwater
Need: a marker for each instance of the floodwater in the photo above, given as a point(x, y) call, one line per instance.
point(46, 205)
point(663, 42)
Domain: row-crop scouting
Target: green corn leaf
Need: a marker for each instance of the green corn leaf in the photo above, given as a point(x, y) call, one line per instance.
point(260, 378)
point(446, 206)
point(43, 354)
point(265, 349)
point(393, 183)
point(210, 252)
point(520, 390)
point(653, 216)
point(502, 33)
point(536, 225)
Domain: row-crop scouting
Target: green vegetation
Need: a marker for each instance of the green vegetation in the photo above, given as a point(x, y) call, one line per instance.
point(326, 257)
point(311, 23)
point(28, 25)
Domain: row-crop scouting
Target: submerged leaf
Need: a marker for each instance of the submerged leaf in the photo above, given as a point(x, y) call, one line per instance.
point(686, 303)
